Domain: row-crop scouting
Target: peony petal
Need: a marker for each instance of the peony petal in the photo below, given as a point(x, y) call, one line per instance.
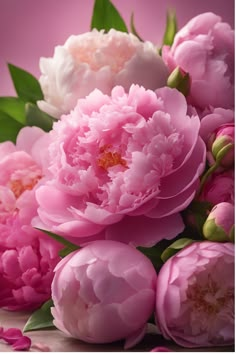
point(23, 343)
point(145, 231)
point(185, 176)
point(167, 207)
point(135, 338)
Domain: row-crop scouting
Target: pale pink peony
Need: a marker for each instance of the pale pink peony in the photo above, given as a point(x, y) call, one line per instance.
point(97, 60)
point(130, 158)
point(204, 48)
point(195, 296)
point(219, 225)
point(104, 292)
point(27, 257)
point(219, 188)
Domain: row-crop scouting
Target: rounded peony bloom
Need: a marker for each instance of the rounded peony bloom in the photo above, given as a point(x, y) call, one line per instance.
point(97, 60)
point(195, 295)
point(27, 257)
point(112, 299)
point(219, 188)
point(26, 269)
point(219, 225)
point(129, 158)
point(204, 48)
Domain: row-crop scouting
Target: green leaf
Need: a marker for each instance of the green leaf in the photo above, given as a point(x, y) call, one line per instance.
point(14, 107)
point(61, 239)
point(105, 16)
point(40, 319)
point(26, 85)
point(175, 247)
point(133, 29)
point(9, 128)
point(171, 28)
point(35, 117)
point(67, 250)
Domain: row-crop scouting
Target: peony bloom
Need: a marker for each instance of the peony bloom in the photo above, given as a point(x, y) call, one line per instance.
point(27, 257)
point(112, 299)
point(97, 60)
point(195, 296)
point(219, 225)
point(130, 158)
point(26, 269)
point(204, 48)
point(219, 188)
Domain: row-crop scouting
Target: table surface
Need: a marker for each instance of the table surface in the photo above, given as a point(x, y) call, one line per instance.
point(59, 342)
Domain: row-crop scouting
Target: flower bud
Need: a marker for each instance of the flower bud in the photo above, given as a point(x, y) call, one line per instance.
point(223, 145)
point(180, 80)
point(219, 226)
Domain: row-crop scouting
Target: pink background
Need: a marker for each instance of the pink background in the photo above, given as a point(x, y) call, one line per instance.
point(30, 29)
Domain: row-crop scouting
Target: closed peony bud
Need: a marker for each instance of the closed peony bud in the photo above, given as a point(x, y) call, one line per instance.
point(219, 225)
point(223, 146)
point(104, 292)
point(180, 80)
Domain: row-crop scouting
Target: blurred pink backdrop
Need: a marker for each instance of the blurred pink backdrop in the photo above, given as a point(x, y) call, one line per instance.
point(30, 29)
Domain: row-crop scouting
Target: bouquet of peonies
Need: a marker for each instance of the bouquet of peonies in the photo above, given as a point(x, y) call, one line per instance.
point(117, 185)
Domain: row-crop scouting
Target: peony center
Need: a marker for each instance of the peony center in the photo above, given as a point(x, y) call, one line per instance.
point(18, 187)
point(97, 56)
point(208, 298)
point(110, 158)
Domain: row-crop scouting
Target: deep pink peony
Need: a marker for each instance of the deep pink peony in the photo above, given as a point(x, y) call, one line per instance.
point(97, 60)
point(130, 158)
point(103, 293)
point(204, 48)
point(27, 257)
point(195, 296)
point(219, 188)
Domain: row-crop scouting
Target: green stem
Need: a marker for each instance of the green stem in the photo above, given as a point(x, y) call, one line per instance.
point(204, 178)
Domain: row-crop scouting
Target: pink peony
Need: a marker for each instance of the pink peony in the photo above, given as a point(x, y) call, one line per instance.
point(130, 158)
point(97, 60)
point(27, 257)
point(219, 188)
point(204, 48)
point(26, 269)
point(112, 288)
point(219, 225)
point(195, 296)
